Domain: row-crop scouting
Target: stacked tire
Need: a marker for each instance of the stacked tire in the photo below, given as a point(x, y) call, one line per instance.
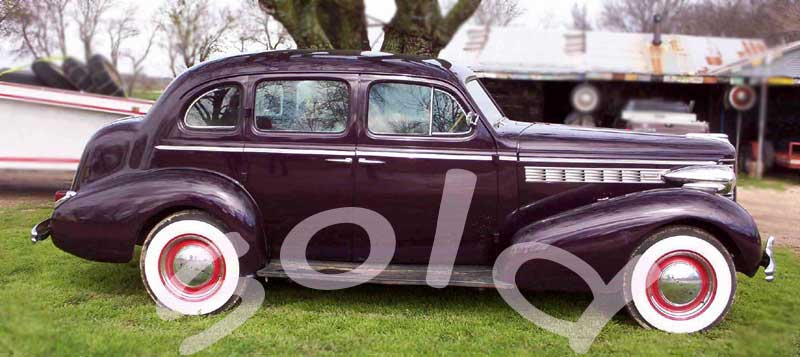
point(99, 76)
point(105, 78)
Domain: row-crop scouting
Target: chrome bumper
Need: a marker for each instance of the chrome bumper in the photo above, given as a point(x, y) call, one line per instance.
point(40, 231)
point(768, 260)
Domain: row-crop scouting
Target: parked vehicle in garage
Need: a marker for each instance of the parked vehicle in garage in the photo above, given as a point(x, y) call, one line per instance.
point(253, 145)
point(790, 157)
point(660, 116)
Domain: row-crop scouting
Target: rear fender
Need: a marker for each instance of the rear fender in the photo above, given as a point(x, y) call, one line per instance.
point(604, 234)
point(105, 220)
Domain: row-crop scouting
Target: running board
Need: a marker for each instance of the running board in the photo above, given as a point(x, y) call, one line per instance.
point(474, 276)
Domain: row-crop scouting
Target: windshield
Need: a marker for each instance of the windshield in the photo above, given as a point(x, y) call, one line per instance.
point(484, 101)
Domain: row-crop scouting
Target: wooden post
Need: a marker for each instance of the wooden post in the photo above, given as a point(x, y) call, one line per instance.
point(762, 123)
point(738, 140)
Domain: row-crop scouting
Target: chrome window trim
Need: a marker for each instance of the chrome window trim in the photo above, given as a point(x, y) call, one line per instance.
point(464, 136)
point(213, 127)
point(271, 132)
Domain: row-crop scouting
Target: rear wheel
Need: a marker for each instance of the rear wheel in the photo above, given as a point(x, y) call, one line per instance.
point(189, 266)
point(683, 282)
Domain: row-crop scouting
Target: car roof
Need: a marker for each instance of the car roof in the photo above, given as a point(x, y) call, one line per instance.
point(338, 61)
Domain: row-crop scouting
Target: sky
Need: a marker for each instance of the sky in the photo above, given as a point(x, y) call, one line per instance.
point(550, 14)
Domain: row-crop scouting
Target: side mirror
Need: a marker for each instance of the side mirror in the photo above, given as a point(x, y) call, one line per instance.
point(472, 119)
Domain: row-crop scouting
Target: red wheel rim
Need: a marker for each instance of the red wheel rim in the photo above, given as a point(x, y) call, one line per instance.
point(191, 267)
point(681, 285)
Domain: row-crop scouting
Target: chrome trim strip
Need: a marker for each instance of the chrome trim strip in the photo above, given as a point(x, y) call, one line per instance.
point(593, 175)
point(422, 155)
point(200, 148)
point(329, 152)
point(323, 152)
point(507, 158)
point(614, 161)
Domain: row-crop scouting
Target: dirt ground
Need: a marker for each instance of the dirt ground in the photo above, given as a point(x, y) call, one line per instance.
point(12, 198)
point(777, 213)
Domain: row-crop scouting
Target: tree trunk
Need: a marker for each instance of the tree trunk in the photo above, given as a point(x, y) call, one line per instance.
point(418, 27)
point(339, 24)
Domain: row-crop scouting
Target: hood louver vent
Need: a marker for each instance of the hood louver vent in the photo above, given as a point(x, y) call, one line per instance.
point(600, 175)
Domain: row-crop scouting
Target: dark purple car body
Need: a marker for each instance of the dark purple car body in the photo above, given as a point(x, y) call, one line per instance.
point(594, 192)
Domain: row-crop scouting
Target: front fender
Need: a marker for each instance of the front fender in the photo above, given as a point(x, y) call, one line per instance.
point(104, 221)
point(605, 233)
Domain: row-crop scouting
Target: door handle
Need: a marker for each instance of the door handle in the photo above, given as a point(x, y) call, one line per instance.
point(370, 162)
point(341, 161)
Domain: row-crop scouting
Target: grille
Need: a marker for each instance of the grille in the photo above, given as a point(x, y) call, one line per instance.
point(574, 174)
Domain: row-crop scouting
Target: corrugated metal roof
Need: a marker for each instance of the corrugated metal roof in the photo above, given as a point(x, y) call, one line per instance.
point(515, 50)
point(783, 61)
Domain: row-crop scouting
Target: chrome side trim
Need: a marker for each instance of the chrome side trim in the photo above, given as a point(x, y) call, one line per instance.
point(598, 175)
point(423, 155)
point(322, 152)
point(614, 161)
point(328, 152)
point(507, 158)
point(200, 148)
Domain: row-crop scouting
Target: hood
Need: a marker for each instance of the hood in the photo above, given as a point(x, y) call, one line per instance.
point(562, 141)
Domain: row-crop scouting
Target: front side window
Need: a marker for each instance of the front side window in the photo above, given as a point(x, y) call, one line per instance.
point(410, 109)
point(217, 108)
point(484, 101)
point(316, 106)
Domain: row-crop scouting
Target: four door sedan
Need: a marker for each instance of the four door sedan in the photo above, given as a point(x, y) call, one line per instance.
point(238, 152)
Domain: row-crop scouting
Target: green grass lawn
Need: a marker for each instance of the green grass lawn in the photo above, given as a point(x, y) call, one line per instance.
point(775, 182)
point(146, 94)
point(52, 303)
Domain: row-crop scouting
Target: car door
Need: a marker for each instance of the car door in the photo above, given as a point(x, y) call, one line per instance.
point(300, 153)
point(413, 131)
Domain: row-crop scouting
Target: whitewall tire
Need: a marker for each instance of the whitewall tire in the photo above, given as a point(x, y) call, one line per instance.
point(683, 282)
point(189, 266)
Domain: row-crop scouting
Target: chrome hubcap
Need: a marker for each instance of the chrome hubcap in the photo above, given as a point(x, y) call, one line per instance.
point(680, 283)
point(193, 265)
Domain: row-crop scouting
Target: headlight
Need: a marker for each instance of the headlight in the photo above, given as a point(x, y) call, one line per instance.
point(715, 179)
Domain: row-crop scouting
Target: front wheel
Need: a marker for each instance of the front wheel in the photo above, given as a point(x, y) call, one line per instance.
point(188, 265)
point(683, 282)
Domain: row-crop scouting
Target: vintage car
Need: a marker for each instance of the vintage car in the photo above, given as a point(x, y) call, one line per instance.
point(237, 152)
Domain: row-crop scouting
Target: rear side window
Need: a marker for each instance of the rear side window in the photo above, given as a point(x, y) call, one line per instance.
point(312, 106)
point(217, 108)
point(417, 110)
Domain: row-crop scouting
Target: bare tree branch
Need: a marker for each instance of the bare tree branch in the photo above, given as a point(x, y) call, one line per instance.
point(30, 23)
point(580, 18)
point(637, 15)
point(89, 14)
point(137, 60)
point(194, 31)
point(10, 10)
point(121, 29)
point(259, 27)
point(498, 12)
